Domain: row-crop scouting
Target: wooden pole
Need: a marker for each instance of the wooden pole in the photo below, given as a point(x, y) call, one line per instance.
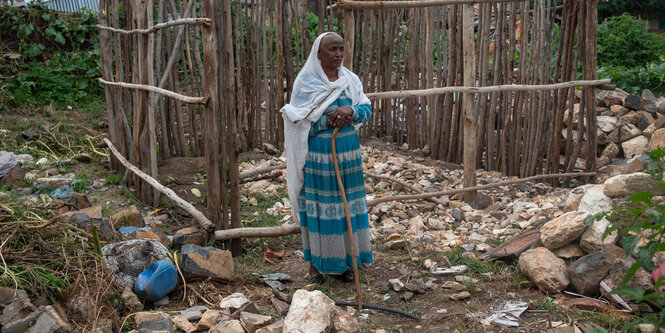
point(159, 26)
point(212, 116)
point(470, 116)
point(144, 87)
point(349, 38)
point(203, 221)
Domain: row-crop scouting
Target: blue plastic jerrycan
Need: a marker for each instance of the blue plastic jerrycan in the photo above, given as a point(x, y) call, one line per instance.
point(157, 281)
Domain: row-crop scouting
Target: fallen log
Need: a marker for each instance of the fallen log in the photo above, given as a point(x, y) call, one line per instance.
point(206, 224)
point(282, 230)
point(252, 173)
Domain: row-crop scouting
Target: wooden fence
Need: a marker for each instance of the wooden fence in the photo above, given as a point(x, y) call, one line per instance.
point(485, 83)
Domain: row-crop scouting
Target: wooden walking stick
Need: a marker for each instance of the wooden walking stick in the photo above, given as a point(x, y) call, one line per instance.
point(348, 218)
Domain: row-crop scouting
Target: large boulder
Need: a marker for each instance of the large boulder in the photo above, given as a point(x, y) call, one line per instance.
point(641, 279)
point(188, 236)
point(607, 124)
point(594, 202)
point(206, 262)
point(545, 270)
point(623, 133)
point(310, 312)
point(657, 139)
point(563, 229)
point(586, 273)
point(633, 102)
point(574, 197)
point(128, 259)
point(621, 185)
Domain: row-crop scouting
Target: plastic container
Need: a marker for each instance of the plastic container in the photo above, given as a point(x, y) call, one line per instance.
point(125, 230)
point(157, 281)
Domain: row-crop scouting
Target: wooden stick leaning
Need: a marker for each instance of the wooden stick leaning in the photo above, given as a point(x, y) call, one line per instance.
point(182, 98)
point(288, 229)
point(197, 215)
point(487, 89)
point(348, 217)
point(182, 21)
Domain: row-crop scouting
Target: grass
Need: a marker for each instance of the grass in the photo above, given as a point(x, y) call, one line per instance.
point(114, 178)
point(475, 266)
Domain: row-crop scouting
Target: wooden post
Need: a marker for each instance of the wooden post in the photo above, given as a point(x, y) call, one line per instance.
point(107, 73)
point(590, 54)
point(152, 133)
point(470, 117)
point(349, 38)
point(211, 115)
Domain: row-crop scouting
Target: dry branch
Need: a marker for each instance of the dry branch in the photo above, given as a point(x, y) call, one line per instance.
point(197, 215)
point(183, 21)
point(353, 4)
point(405, 184)
point(476, 188)
point(182, 98)
point(282, 230)
point(488, 89)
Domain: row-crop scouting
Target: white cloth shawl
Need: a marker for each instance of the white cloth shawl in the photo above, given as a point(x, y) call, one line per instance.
point(312, 94)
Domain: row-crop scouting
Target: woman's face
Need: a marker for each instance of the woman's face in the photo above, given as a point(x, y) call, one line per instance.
point(331, 51)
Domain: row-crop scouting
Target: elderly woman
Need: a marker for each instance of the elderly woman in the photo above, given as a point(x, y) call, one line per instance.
point(325, 96)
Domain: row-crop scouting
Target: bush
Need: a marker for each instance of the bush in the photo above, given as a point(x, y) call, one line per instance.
point(636, 79)
point(624, 41)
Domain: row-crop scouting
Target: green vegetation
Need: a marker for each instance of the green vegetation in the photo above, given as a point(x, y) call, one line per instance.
point(58, 60)
point(633, 58)
point(641, 219)
point(617, 7)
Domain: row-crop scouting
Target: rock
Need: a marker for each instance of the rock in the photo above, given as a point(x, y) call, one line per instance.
point(343, 322)
point(649, 96)
point(396, 284)
point(574, 197)
point(209, 319)
point(153, 321)
point(104, 325)
point(47, 319)
point(9, 295)
point(105, 230)
point(572, 250)
point(416, 286)
point(611, 100)
point(194, 313)
point(127, 259)
point(453, 285)
point(592, 238)
point(563, 229)
point(94, 212)
point(635, 164)
point(618, 110)
point(53, 183)
point(18, 309)
point(270, 149)
point(657, 139)
point(661, 107)
point(128, 217)
point(310, 312)
point(14, 177)
point(586, 273)
point(641, 279)
point(622, 185)
point(611, 151)
point(607, 124)
point(646, 328)
point(276, 327)
point(252, 321)
point(453, 270)
point(281, 307)
point(188, 236)
point(228, 326)
point(631, 118)
point(623, 133)
point(141, 233)
point(206, 262)
point(233, 302)
point(164, 301)
point(183, 323)
point(633, 102)
point(635, 146)
point(613, 252)
point(644, 121)
point(545, 270)
point(394, 244)
point(460, 296)
point(82, 307)
point(131, 301)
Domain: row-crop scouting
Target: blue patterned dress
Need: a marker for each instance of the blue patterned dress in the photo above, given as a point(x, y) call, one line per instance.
point(324, 230)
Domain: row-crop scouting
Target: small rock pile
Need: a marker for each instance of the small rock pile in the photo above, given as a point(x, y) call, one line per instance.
point(570, 253)
point(628, 125)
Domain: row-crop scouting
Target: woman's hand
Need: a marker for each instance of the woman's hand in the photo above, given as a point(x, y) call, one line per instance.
point(341, 117)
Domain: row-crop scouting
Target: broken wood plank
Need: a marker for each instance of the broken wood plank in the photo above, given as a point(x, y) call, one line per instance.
point(514, 246)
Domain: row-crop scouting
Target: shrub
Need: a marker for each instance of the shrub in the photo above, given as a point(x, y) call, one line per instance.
point(624, 41)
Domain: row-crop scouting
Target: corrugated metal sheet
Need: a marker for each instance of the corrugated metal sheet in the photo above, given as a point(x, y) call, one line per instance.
point(73, 6)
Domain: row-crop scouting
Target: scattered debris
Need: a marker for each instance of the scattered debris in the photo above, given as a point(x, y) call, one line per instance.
point(508, 314)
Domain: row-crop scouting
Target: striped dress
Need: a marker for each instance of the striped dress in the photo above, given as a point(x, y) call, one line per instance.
point(321, 209)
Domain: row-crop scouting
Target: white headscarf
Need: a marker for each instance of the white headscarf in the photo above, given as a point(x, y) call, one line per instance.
point(312, 94)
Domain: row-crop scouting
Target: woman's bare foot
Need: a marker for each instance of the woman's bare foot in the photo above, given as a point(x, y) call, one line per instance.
point(315, 276)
